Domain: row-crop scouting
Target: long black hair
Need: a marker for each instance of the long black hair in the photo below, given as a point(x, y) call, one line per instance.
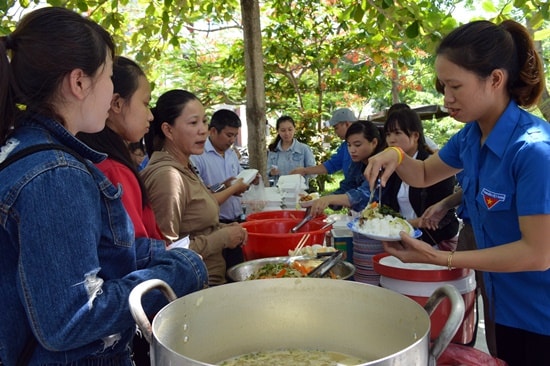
point(369, 131)
point(482, 46)
point(126, 75)
point(47, 45)
point(168, 108)
point(273, 146)
point(408, 121)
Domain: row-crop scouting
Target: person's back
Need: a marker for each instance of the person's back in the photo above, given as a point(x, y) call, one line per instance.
point(68, 258)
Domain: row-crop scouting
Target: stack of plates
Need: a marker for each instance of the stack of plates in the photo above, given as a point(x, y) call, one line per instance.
point(364, 249)
point(293, 183)
point(290, 187)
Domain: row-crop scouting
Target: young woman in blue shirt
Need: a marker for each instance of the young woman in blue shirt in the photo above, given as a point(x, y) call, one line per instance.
point(487, 73)
point(363, 140)
point(286, 153)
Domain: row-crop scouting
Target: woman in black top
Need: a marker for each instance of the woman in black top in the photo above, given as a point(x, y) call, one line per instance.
point(403, 129)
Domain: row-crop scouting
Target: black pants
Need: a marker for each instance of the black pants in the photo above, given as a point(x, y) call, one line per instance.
point(522, 348)
point(141, 351)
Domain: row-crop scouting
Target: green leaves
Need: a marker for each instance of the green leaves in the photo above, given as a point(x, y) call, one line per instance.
point(318, 55)
point(413, 30)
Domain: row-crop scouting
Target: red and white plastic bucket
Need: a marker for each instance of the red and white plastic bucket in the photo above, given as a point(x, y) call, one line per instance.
point(418, 282)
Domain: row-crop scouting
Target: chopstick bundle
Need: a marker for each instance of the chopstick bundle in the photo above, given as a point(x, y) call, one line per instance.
point(301, 243)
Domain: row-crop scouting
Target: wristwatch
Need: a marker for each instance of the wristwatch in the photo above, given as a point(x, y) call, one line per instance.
point(217, 187)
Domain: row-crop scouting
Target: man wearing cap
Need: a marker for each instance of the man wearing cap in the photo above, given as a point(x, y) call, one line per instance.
point(341, 119)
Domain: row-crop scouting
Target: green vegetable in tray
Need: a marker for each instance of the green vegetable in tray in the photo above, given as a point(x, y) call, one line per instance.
point(275, 270)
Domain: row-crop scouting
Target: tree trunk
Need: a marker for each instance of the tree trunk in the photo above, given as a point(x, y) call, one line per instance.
point(255, 87)
point(395, 82)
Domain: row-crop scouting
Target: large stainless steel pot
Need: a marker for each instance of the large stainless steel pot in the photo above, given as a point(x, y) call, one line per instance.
point(372, 323)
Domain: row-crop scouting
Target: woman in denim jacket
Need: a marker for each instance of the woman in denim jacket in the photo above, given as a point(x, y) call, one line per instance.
point(364, 140)
point(68, 251)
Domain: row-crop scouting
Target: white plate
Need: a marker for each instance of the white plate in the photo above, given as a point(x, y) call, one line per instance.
point(353, 226)
point(247, 175)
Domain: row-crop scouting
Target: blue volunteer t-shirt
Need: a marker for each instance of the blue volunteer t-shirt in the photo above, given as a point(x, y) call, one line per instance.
point(507, 177)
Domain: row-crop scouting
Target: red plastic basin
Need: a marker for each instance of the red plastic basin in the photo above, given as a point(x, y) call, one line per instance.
point(272, 237)
point(280, 214)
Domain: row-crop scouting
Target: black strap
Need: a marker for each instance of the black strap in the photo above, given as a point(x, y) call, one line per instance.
point(30, 346)
point(36, 148)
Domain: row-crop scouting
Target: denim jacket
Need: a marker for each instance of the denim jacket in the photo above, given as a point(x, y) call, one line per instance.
point(298, 155)
point(69, 259)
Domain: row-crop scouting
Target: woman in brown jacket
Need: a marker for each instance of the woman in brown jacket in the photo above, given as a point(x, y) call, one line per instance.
point(183, 205)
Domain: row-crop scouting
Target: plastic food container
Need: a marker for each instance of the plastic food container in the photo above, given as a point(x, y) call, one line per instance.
point(418, 282)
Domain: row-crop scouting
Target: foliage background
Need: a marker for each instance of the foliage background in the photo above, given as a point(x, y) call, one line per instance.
point(318, 55)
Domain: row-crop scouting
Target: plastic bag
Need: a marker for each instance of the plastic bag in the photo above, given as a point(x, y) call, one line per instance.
point(459, 355)
point(255, 198)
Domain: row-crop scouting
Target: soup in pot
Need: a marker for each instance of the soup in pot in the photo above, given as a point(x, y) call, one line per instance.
point(293, 357)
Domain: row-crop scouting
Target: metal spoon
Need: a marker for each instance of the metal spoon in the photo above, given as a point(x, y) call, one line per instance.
point(377, 185)
point(327, 224)
point(379, 190)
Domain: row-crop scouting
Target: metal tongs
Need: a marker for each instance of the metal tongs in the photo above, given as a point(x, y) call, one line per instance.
point(322, 269)
point(308, 216)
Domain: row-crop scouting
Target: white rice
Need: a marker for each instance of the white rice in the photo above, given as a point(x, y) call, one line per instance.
point(387, 227)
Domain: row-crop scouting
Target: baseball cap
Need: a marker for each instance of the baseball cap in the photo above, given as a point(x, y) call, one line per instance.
point(342, 115)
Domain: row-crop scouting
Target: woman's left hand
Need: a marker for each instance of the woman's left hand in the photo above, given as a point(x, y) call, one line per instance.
point(410, 250)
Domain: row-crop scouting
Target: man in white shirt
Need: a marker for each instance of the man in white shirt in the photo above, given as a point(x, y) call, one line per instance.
point(219, 164)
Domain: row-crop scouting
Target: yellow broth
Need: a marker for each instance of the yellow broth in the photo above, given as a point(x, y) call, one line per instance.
point(293, 357)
